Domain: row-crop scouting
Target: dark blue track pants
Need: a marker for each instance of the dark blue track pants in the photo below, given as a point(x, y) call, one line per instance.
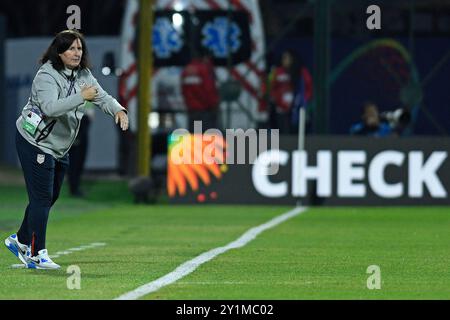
point(44, 176)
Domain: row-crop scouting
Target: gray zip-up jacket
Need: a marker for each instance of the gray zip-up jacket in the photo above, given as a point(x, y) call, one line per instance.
point(62, 111)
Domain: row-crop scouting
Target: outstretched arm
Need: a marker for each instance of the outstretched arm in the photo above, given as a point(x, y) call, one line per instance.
point(102, 99)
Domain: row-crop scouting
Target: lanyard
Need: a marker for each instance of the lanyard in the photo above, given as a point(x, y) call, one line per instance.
point(48, 128)
point(71, 87)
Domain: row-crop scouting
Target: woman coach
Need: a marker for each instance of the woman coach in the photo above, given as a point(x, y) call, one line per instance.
point(46, 129)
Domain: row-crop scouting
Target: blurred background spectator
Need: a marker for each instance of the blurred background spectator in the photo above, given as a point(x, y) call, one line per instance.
point(290, 86)
point(371, 124)
point(199, 88)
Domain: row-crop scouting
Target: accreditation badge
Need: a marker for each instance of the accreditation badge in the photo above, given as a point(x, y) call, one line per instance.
point(40, 158)
point(32, 120)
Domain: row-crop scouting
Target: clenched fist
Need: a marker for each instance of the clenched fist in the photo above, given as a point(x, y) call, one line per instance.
point(89, 93)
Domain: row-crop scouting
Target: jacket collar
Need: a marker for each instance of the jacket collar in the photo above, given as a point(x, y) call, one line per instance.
point(70, 73)
point(66, 72)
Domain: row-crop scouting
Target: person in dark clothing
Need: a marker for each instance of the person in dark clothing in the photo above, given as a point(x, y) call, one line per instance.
point(291, 88)
point(371, 124)
point(78, 154)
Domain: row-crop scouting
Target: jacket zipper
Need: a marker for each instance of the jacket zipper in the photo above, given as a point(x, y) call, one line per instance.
point(75, 136)
point(78, 121)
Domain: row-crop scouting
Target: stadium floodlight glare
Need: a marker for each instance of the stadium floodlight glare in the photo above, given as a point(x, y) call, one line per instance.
point(177, 20)
point(153, 120)
point(178, 6)
point(106, 71)
point(118, 72)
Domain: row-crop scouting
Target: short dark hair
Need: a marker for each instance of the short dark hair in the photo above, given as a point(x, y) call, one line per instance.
point(61, 43)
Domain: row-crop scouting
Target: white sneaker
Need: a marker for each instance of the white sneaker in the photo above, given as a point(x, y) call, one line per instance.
point(17, 248)
point(42, 261)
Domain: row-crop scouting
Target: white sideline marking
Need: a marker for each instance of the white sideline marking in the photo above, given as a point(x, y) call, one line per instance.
point(80, 248)
point(189, 266)
point(67, 251)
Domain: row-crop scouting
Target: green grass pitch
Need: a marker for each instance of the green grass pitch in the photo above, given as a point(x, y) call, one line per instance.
point(323, 253)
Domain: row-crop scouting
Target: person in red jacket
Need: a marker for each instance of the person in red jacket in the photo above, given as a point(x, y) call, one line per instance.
point(290, 89)
point(198, 84)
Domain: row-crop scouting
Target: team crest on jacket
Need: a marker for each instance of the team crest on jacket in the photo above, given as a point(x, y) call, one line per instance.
point(82, 83)
point(40, 158)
